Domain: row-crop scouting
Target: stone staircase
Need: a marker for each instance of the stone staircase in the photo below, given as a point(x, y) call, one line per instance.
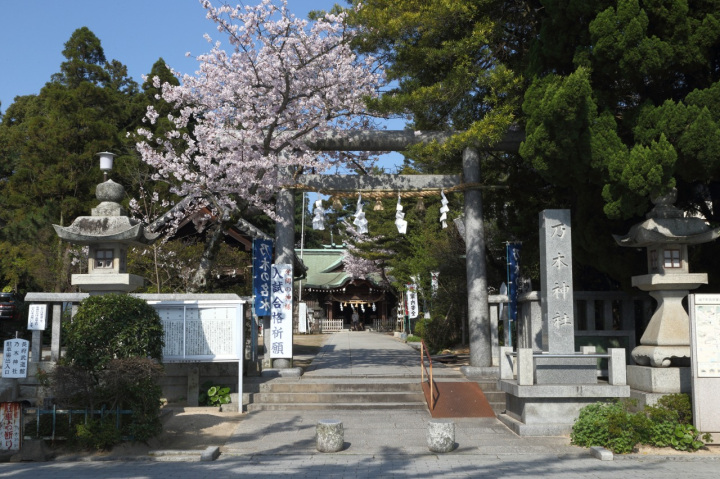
point(282, 394)
point(288, 394)
point(492, 393)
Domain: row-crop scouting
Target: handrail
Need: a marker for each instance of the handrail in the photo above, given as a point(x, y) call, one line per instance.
point(564, 356)
point(423, 370)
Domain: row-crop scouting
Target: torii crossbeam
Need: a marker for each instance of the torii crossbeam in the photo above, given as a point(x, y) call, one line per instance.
point(399, 140)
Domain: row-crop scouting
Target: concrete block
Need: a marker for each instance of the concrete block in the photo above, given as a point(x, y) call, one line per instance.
point(617, 369)
point(441, 435)
point(506, 363)
point(193, 386)
point(659, 380)
point(210, 453)
point(565, 371)
point(480, 371)
point(601, 453)
point(35, 450)
point(329, 435)
point(282, 373)
point(525, 367)
point(9, 389)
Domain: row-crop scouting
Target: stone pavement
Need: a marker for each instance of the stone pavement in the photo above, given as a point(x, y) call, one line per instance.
point(384, 444)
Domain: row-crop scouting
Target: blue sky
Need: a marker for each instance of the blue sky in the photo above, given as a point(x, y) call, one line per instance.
point(134, 32)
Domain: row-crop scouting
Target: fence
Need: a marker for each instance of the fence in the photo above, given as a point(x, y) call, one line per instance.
point(56, 426)
point(331, 325)
point(384, 325)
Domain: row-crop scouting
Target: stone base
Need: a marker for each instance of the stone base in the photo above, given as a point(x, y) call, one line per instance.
point(282, 373)
point(565, 371)
point(642, 399)
point(551, 410)
point(659, 380)
point(282, 363)
point(472, 372)
point(662, 356)
point(107, 283)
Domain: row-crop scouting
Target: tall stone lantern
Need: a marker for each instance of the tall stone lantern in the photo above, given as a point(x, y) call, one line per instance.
point(666, 234)
point(108, 233)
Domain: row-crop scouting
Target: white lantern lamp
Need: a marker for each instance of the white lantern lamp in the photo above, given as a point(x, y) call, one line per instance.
point(106, 162)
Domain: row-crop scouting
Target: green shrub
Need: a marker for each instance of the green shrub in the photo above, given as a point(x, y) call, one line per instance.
point(114, 345)
point(611, 425)
point(112, 326)
point(99, 435)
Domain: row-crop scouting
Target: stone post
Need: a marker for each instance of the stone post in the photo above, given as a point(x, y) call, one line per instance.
point(56, 330)
point(556, 282)
point(284, 254)
point(478, 312)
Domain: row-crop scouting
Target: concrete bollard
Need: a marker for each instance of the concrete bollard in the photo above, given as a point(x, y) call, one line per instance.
point(329, 435)
point(441, 435)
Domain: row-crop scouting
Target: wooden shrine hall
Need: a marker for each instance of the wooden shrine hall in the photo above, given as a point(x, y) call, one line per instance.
point(333, 295)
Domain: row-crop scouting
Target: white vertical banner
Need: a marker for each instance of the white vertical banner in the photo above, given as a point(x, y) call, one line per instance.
point(302, 317)
point(412, 301)
point(281, 326)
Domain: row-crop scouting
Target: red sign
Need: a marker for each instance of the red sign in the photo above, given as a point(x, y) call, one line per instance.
point(10, 426)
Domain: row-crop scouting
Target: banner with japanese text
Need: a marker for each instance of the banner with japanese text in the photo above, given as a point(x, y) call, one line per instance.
point(412, 300)
point(513, 265)
point(262, 259)
point(281, 302)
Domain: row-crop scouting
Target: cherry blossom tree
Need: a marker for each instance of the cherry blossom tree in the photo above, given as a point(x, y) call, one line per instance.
point(246, 115)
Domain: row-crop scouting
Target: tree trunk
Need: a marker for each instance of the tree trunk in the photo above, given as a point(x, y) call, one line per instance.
point(207, 260)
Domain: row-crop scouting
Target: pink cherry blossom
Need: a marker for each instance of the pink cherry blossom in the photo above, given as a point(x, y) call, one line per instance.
point(245, 115)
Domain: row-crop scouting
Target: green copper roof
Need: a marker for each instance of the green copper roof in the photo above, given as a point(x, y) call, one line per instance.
point(325, 269)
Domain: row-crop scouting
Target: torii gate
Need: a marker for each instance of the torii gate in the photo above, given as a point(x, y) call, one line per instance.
point(399, 140)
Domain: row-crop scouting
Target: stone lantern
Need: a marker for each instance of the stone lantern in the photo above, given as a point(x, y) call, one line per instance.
point(108, 233)
point(666, 234)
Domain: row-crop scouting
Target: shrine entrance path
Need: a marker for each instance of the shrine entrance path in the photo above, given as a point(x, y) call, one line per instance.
point(366, 354)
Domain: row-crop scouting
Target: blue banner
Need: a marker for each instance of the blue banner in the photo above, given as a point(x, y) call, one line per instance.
point(513, 264)
point(262, 262)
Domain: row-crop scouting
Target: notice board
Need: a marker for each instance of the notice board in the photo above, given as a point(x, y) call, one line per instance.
point(705, 360)
point(201, 330)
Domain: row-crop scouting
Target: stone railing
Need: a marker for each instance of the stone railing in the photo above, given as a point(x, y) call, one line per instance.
point(602, 319)
point(520, 365)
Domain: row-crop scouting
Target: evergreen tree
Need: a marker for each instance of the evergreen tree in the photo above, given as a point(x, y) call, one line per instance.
point(48, 155)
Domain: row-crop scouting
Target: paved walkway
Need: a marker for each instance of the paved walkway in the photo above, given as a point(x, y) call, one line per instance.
point(367, 354)
point(379, 444)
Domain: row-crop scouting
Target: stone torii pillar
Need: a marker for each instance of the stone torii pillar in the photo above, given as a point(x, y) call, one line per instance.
point(399, 140)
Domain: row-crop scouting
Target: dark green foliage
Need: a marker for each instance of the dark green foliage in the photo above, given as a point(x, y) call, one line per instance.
point(97, 434)
point(112, 326)
point(612, 425)
point(114, 345)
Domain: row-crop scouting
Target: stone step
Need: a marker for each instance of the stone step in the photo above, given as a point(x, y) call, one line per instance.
point(305, 387)
point(324, 406)
point(337, 397)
